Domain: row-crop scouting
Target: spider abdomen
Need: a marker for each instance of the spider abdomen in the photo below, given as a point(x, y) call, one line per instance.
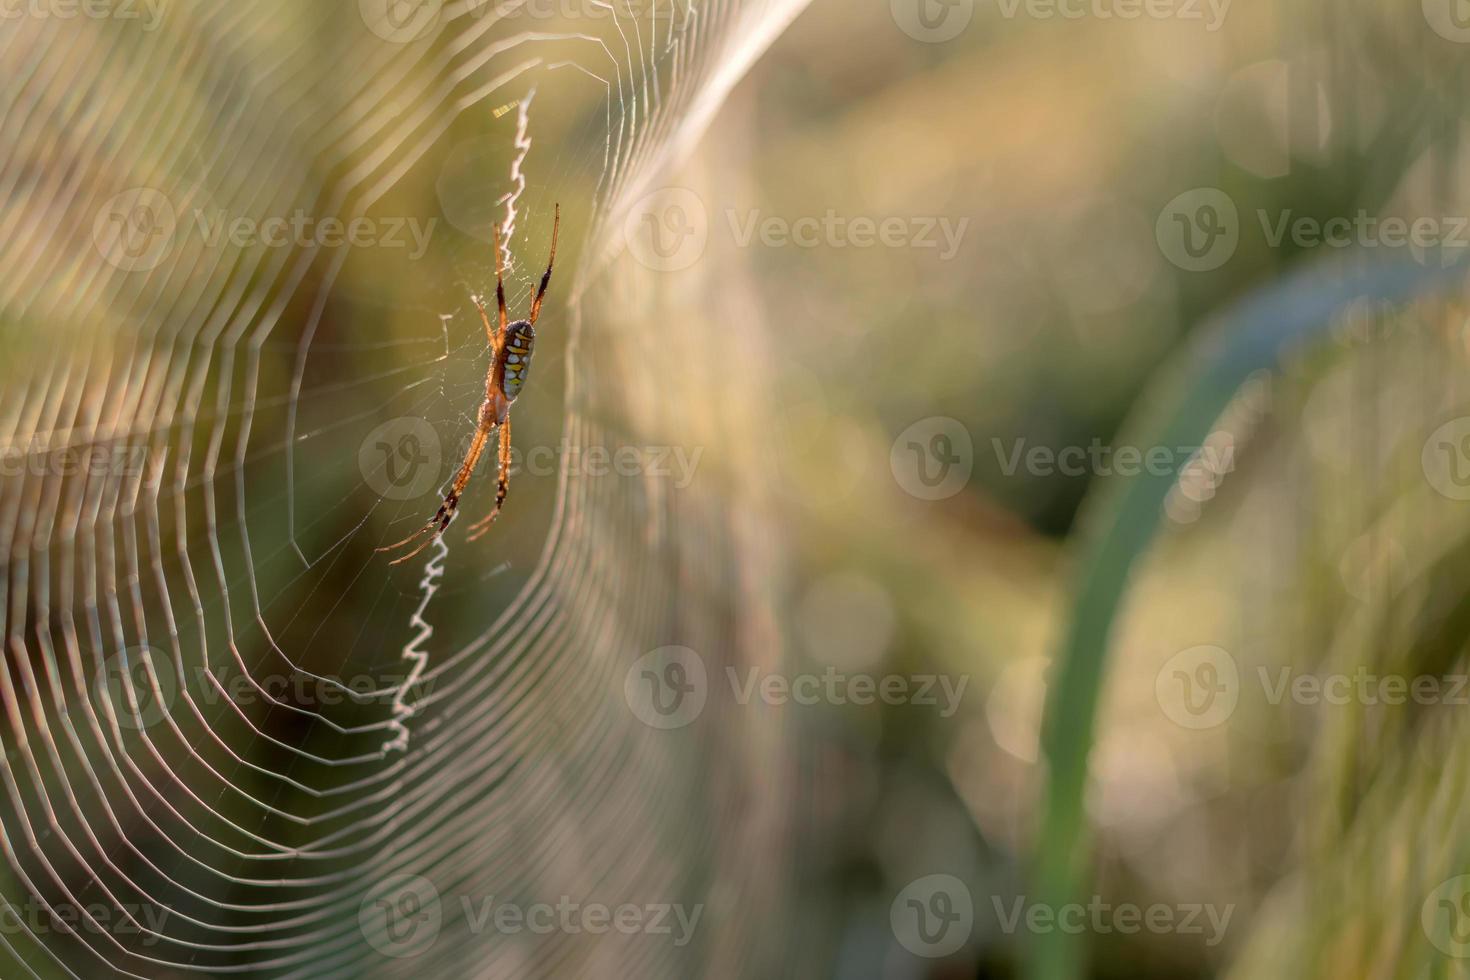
point(520, 342)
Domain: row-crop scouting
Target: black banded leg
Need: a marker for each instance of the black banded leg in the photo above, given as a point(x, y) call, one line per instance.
point(441, 520)
point(502, 487)
point(551, 263)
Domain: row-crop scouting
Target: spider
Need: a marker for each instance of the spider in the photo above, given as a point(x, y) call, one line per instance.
point(510, 361)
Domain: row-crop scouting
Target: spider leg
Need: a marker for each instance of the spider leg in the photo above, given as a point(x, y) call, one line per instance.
point(485, 319)
point(546, 279)
point(502, 488)
point(499, 339)
point(441, 520)
point(438, 525)
point(445, 510)
point(417, 551)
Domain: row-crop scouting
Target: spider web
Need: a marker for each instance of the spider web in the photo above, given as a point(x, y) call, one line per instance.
point(236, 741)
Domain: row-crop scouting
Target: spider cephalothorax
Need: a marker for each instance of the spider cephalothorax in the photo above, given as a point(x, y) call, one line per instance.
point(511, 347)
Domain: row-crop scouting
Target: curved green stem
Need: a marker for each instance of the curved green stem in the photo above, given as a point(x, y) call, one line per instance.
point(1120, 522)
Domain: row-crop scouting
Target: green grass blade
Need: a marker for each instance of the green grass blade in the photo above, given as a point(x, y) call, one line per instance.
point(1120, 521)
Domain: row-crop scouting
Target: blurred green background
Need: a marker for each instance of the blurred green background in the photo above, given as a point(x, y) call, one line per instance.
point(965, 266)
point(1320, 548)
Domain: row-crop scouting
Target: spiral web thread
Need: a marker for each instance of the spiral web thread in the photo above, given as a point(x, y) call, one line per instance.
point(172, 803)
